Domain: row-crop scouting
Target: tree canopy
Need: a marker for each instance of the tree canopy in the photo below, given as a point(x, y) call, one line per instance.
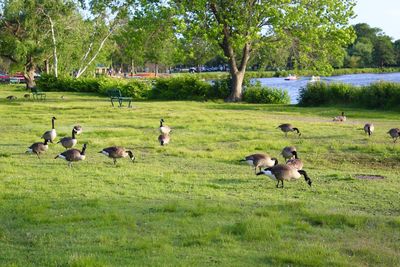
point(66, 37)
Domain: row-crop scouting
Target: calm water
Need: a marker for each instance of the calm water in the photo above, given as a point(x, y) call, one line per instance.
point(293, 87)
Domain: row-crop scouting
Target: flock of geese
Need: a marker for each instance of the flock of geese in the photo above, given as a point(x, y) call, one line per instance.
point(71, 154)
point(291, 170)
point(293, 167)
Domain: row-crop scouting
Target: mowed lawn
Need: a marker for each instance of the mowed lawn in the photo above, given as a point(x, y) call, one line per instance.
point(192, 203)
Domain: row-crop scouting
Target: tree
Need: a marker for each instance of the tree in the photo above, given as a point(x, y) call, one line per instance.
point(23, 37)
point(363, 50)
point(106, 16)
point(26, 26)
point(383, 54)
point(240, 27)
point(396, 47)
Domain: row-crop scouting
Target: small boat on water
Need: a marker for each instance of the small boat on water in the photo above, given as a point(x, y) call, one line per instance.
point(291, 77)
point(315, 79)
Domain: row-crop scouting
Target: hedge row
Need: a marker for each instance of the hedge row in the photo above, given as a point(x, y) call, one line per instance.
point(380, 95)
point(173, 88)
point(138, 89)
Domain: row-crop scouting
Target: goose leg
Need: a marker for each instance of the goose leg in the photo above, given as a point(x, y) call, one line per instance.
point(115, 161)
point(70, 164)
point(277, 185)
point(282, 183)
point(37, 154)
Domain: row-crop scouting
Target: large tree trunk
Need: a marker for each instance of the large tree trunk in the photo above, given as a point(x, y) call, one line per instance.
point(237, 72)
point(236, 90)
point(132, 66)
point(30, 76)
point(47, 66)
point(156, 69)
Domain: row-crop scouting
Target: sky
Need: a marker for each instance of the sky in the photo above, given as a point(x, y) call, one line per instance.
point(383, 14)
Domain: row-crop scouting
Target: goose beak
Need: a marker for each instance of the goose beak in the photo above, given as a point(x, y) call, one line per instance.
point(309, 183)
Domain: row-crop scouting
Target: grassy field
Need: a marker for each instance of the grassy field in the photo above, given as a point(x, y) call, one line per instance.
point(192, 203)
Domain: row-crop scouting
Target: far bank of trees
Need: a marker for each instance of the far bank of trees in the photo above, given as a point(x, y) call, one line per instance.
point(72, 37)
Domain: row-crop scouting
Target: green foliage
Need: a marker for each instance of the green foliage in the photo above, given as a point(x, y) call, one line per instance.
point(380, 95)
point(138, 89)
point(372, 48)
point(180, 88)
point(258, 94)
point(345, 71)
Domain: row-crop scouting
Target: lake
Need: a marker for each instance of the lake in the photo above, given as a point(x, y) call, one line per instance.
point(294, 86)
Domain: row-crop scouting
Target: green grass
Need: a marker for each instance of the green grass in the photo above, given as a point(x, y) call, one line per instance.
point(191, 203)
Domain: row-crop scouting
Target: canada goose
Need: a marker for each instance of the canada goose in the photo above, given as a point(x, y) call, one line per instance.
point(340, 118)
point(52, 134)
point(164, 139)
point(394, 133)
point(295, 163)
point(11, 97)
point(260, 161)
point(286, 127)
point(282, 172)
point(369, 128)
point(73, 155)
point(69, 142)
point(164, 129)
point(38, 148)
point(289, 152)
point(78, 129)
point(116, 152)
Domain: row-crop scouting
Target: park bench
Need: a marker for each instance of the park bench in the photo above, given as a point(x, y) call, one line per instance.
point(38, 94)
point(115, 95)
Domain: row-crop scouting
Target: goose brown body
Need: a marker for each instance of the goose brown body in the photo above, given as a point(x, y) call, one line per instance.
point(394, 133)
point(52, 134)
point(164, 129)
point(283, 172)
point(369, 128)
point(287, 127)
point(73, 155)
point(164, 139)
point(116, 152)
point(289, 152)
point(295, 163)
point(69, 142)
point(340, 118)
point(38, 148)
point(260, 161)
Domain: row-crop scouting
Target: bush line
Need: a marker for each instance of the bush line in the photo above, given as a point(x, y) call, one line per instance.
point(379, 95)
point(185, 87)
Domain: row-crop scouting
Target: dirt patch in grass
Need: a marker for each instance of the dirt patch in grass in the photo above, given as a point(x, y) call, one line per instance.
point(369, 177)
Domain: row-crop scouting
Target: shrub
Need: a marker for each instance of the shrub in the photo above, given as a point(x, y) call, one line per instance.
point(180, 88)
point(384, 95)
point(258, 94)
point(138, 89)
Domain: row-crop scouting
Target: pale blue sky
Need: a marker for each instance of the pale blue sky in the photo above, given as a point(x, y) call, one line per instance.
point(383, 14)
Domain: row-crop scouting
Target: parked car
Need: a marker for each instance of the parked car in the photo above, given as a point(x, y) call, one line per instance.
point(17, 78)
point(4, 78)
